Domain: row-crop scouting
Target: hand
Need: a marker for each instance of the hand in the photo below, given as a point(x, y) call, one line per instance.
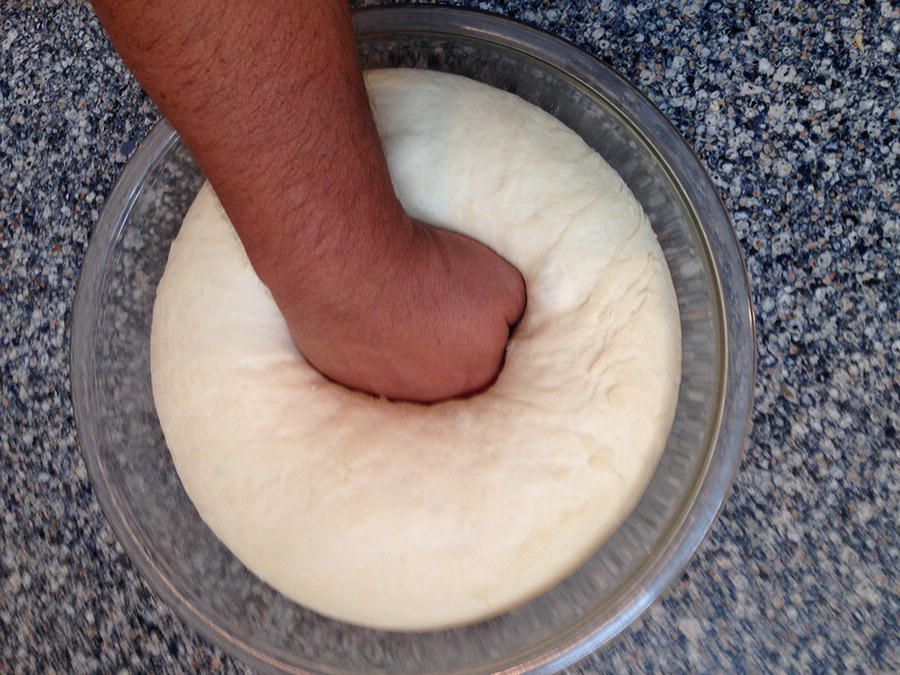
point(430, 322)
point(372, 299)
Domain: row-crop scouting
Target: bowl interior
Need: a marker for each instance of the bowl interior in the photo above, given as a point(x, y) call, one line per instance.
point(140, 490)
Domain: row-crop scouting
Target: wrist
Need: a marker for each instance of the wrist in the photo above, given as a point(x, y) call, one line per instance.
point(322, 255)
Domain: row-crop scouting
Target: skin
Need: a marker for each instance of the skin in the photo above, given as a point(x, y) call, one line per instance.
point(270, 99)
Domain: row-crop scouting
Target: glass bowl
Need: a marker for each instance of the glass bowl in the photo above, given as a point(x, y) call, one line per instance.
point(208, 587)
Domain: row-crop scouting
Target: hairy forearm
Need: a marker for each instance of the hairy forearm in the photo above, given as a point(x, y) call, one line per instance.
point(273, 106)
point(270, 99)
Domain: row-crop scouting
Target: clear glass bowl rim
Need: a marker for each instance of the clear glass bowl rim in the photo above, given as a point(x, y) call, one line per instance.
point(728, 269)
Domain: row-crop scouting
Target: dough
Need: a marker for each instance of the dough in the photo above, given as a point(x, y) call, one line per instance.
point(411, 517)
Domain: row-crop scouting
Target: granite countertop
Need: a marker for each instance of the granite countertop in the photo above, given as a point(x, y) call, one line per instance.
point(792, 108)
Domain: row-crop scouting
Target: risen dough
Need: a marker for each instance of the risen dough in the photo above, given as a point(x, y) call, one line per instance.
point(413, 517)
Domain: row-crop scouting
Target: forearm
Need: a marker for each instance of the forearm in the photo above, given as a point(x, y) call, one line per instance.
point(270, 100)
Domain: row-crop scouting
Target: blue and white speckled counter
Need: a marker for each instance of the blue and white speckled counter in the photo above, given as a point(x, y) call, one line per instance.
point(794, 111)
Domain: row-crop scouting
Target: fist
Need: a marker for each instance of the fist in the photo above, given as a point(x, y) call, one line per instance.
point(428, 321)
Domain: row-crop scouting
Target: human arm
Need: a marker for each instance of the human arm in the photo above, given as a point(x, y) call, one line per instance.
point(270, 99)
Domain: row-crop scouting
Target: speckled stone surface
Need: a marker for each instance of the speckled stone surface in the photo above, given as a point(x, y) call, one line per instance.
point(792, 108)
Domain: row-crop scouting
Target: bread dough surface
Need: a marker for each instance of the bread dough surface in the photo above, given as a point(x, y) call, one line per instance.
point(410, 517)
